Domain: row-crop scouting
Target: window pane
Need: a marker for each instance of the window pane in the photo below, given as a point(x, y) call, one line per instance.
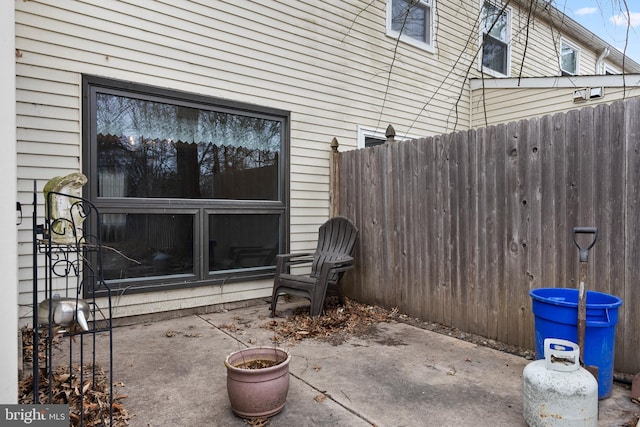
point(243, 241)
point(494, 55)
point(495, 24)
point(370, 141)
point(153, 149)
point(568, 59)
point(411, 20)
point(144, 245)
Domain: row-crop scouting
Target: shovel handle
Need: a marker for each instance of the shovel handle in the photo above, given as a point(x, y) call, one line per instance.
point(582, 315)
point(584, 250)
point(582, 291)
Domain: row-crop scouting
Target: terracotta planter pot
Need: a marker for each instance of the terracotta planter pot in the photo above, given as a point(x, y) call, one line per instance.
point(262, 392)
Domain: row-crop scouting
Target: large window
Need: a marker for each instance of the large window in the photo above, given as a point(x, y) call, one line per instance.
point(495, 32)
point(569, 58)
point(192, 190)
point(411, 21)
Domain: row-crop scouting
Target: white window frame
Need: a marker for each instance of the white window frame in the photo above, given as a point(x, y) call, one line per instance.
point(368, 132)
point(566, 43)
point(610, 69)
point(364, 131)
point(430, 46)
point(481, 68)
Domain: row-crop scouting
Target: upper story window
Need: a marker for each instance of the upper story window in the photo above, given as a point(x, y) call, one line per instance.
point(495, 33)
point(411, 21)
point(569, 58)
point(610, 69)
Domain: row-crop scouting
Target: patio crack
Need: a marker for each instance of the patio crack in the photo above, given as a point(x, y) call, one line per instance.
point(232, 335)
point(337, 402)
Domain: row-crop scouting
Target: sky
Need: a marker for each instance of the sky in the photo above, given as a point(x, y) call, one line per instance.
point(608, 19)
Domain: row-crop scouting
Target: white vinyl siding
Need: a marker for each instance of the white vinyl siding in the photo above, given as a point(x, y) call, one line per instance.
point(329, 63)
point(544, 96)
point(325, 62)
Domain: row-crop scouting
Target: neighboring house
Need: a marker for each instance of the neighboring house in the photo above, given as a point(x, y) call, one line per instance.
point(504, 100)
point(204, 127)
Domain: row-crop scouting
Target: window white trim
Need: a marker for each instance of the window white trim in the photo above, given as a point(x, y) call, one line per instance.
point(564, 43)
point(368, 132)
point(610, 69)
point(364, 131)
point(485, 70)
point(428, 46)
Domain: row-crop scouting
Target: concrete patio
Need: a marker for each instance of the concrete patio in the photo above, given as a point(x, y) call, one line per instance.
point(399, 375)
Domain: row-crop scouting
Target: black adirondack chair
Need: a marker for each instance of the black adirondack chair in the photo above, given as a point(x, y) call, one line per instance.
point(333, 256)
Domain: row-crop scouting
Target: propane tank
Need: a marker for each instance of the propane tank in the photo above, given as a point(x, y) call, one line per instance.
point(557, 391)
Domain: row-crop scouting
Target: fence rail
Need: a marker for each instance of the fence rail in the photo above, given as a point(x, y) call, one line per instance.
point(458, 228)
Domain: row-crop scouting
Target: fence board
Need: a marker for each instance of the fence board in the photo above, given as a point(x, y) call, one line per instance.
point(430, 238)
point(534, 213)
point(616, 206)
point(601, 188)
point(458, 228)
point(503, 245)
point(548, 206)
point(561, 199)
point(631, 315)
point(483, 291)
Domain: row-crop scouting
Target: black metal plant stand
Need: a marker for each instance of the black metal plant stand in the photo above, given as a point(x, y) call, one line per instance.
point(72, 290)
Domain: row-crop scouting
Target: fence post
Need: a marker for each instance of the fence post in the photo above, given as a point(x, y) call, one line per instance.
point(390, 134)
point(334, 194)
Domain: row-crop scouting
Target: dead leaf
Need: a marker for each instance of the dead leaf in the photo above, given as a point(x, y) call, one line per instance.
point(320, 398)
point(349, 319)
point(193, 335)
point(230, 327)
point(257, 422)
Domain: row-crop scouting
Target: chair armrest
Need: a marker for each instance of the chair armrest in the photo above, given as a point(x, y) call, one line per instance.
point(294, 255)
point(341, 261)
point(341, 264)
point(284, 261)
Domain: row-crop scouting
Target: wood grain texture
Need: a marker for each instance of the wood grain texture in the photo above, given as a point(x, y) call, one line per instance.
point(458, 228)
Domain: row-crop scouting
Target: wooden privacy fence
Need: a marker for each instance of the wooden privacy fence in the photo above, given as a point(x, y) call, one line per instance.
point(458, 228)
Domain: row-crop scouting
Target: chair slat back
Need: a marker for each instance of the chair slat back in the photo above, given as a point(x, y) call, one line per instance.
point(336, 238)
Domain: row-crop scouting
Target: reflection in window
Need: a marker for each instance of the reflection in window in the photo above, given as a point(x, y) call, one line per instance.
point(144, 245)
point(370, 141)
point(494, 31)
point(411, 20)
point(243, 241)
point(192, 190)
point(568, 59)
point(152, 149)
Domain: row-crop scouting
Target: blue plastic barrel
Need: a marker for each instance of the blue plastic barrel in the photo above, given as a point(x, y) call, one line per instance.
point(556, 316)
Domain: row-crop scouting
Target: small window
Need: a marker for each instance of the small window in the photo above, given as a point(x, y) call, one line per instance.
point(569, 59)
point(495, 32)
point(610, 69)
point(411, 21)
point(370, 137)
